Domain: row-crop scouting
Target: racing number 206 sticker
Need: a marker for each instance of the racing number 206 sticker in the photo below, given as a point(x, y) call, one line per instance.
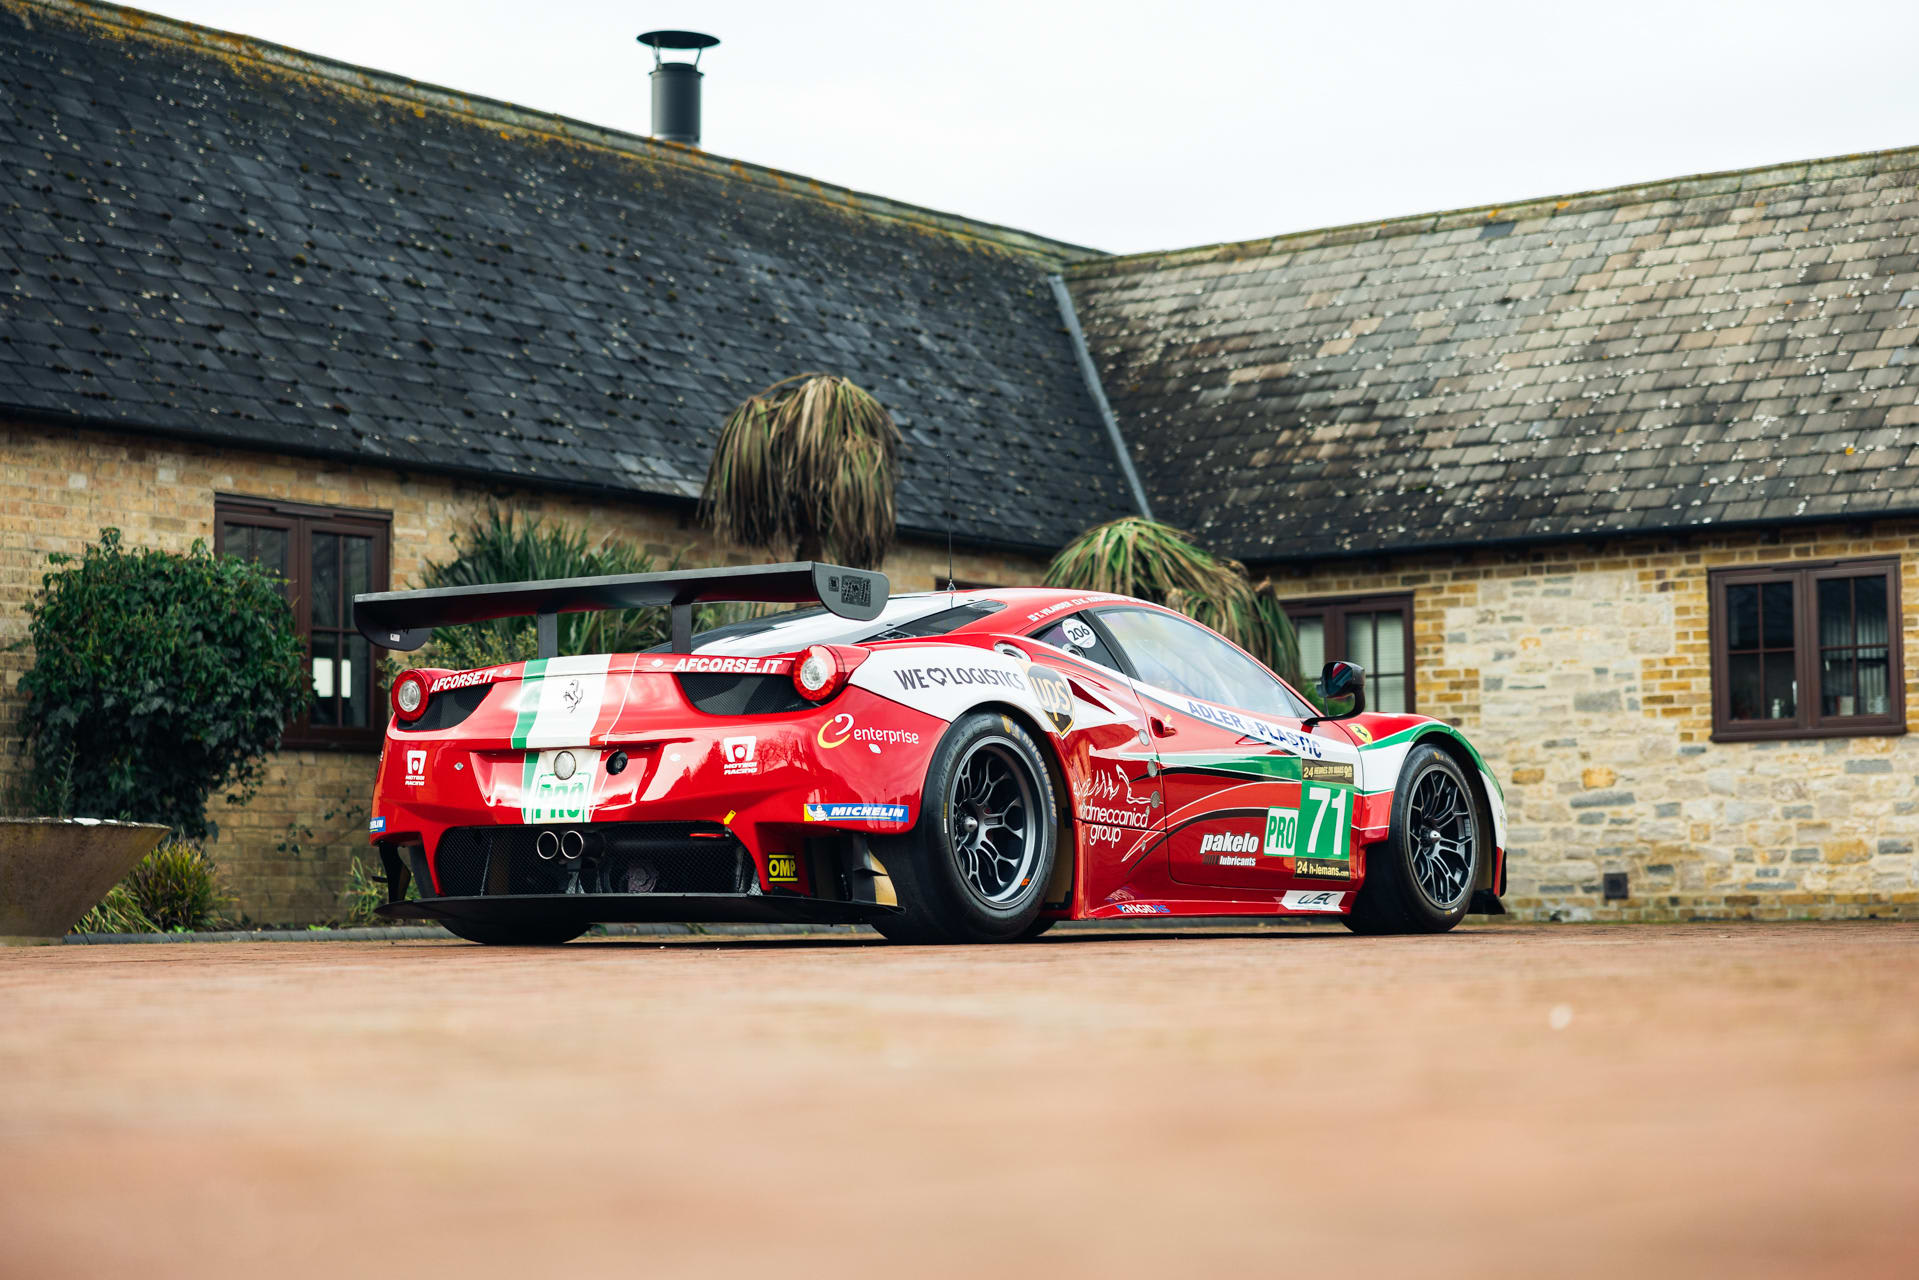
point(1317, 836)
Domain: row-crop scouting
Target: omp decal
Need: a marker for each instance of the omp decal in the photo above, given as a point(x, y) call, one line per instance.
point(546, 796)
point(835, 732)
point(1313, 900)
point(1144, 909)
point(376, 824)
point(853, 813)
point(560, 701)
point(783, 868)
point(1054, 695)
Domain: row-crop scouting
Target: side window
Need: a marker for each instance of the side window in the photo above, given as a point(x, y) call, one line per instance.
point(1073, 635)
point(1181, 656)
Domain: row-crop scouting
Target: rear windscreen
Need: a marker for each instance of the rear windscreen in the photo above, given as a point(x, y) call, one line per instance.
point(790, 630)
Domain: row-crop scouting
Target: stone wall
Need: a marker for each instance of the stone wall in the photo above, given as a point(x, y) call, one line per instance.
point(1582, 673)
point(285, 856)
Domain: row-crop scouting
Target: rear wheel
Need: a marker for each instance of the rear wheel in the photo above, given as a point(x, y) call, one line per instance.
point(514, 935)
point(976, 866)
point(1421, 879)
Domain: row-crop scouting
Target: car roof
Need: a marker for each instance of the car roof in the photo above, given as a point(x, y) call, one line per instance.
point(1024, 605)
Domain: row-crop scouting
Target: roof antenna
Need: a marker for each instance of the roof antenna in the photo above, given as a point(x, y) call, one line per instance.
point(951, 585)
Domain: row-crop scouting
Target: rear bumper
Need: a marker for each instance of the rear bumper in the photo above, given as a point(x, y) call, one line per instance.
point(637, 908)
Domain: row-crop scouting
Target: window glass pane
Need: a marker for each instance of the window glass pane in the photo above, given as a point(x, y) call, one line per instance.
point(1874, 679)
point(1781, 688)
point(1073, 635)
point(1390, 635)
point(1869, 610)
point(270, 549)
point(1838, 692)
point(1835, 611)
point(1776, 604)
point(237, 540)
point(1745, 687)
point(359, 566)
point(1385, 693)
point(1742, 617)
point(325, 680)
point(1312, 646)
point(1180, 657)
point(326, 580)
point(1359, 640)
point(356, 675)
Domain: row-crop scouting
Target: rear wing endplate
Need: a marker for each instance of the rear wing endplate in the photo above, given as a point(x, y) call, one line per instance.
point(405, 619)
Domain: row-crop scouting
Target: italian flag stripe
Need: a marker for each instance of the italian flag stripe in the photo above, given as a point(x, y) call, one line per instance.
point(529, 702)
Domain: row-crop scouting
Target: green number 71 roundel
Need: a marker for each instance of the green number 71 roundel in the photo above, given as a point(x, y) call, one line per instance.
point(1317, 835)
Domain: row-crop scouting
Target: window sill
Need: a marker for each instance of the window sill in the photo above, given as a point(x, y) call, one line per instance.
point(1878, 729)
point(368, 745)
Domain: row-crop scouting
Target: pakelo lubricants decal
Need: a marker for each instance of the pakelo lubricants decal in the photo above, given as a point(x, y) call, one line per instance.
point(560, 701)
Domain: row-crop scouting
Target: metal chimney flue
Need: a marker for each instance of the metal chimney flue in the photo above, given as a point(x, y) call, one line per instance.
point(676, 85)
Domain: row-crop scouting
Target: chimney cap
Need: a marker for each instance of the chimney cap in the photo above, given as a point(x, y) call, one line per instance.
point(678, 40)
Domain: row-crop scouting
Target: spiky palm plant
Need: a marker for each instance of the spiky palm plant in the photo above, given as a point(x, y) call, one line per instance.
point(809, 463)
point(1135, 556)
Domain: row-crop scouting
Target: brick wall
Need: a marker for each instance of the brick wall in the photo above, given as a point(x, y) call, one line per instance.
point(1582, 673)
point(59, 487)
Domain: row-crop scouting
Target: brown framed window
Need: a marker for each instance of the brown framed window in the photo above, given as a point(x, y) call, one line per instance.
point(1374, 631)
point(1807, 651)
point(327, 556)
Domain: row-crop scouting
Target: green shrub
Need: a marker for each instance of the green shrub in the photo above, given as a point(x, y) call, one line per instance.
point(118, 912)
point(365, 895)
point(158, 679)
point(175, 888)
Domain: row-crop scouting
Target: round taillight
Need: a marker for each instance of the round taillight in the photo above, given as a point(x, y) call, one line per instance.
point(409, 696)
point(818, 674)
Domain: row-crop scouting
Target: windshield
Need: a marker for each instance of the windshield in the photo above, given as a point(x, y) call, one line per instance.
point(794, 629)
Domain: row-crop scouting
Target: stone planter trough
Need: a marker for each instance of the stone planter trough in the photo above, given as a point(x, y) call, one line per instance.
point(52, 871)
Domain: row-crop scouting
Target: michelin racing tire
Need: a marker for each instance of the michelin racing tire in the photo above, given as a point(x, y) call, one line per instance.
point(1420, 880)
point(976, 865)
point(514, 935)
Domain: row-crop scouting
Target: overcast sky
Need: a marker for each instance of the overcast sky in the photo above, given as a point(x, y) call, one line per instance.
point(1127, 125)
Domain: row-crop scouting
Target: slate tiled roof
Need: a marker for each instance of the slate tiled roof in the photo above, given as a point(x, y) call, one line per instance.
point(1730, 349)
point(220, 239)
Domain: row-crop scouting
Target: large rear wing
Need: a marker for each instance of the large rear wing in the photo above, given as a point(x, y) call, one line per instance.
point(405, 619)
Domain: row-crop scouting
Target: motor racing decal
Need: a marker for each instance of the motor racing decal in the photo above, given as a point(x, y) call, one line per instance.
point(562, 701)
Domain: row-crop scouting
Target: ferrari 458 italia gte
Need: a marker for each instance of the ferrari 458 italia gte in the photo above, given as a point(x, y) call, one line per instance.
point(954, 766)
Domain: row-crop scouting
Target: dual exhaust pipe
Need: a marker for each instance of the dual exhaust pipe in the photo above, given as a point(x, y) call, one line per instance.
point(567, 845)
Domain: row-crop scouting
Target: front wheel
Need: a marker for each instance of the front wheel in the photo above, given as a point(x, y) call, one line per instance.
point(976, 865)
point(1421, 879)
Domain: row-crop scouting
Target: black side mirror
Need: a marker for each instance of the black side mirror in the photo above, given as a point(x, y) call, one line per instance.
point(1341, 680)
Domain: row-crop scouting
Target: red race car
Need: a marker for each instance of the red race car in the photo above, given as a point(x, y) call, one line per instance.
point(960, 766)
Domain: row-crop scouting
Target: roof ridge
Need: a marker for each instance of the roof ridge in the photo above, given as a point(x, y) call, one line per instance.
point(1718, 182)
point(123, 20)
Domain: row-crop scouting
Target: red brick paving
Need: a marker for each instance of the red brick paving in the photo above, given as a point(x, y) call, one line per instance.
point(1733, 1099)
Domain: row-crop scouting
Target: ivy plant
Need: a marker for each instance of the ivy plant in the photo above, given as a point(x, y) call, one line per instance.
point(159, 678)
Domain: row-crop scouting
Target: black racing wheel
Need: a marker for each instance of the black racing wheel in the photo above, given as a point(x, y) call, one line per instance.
point(976, 865)
point(1421, 879)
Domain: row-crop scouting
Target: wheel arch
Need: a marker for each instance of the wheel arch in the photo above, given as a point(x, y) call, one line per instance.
point(1066, 852)
point(1454, 744)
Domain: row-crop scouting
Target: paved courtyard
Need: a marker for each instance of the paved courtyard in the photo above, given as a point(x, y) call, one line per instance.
point(1733, 1099)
